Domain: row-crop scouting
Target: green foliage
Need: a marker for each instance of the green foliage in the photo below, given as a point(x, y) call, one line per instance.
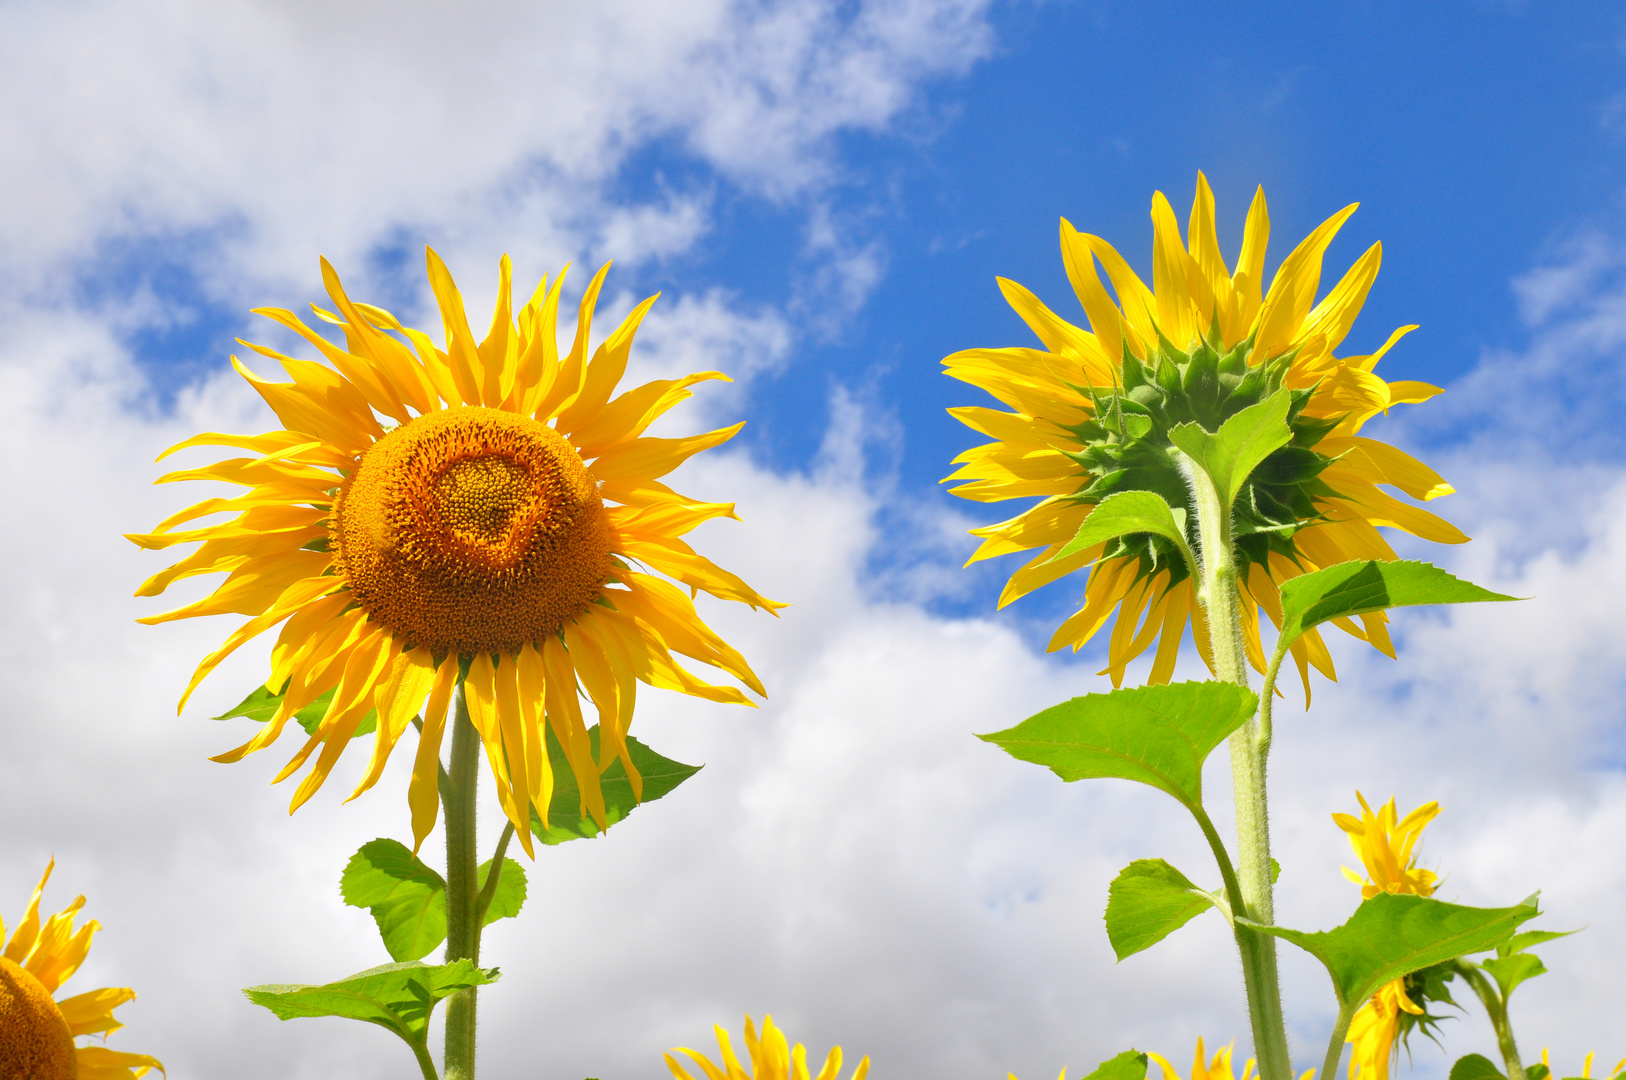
point(1425, 987)
point(1148, 901)
point(398, 997)
point(1512, 965)
point(1129, 1065)
point(1126, 514)
point(1391, 935)
point(1230, 455)
point(407, 899)
point(1157, 735)
point(1475, 1067)
point(261, 705)
point(567, 820)
point(1355, 588)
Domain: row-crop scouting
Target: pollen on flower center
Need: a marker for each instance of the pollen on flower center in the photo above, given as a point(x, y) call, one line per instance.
point(472, 530)
point(35, 1042)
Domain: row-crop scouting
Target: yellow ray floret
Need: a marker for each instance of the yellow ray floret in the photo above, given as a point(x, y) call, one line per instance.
point(1216, 1068)
point(1194, 298)
point(37, 1031)
point(1586, 1067)
point(772, 1058)
point(477, 514)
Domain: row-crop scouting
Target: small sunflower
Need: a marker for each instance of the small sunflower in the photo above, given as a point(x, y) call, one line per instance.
point(772, 1058)
point(1586, 1066)
point(1216, 1068)
point(486, 512)
point(37, 1032)
point(1091, 412)
point(1386, 845)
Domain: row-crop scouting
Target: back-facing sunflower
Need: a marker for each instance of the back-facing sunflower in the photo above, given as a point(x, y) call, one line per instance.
point(1092, 412)
point(475, 512)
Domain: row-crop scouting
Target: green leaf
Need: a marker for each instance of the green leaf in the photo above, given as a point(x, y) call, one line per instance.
point(1124, 514)
point(407, 899)
point(399, 997)
point(1355, 588)
point(566, 818)
point(1392, 935)
point(1229, 455)
point(1510, 971)
point(1129, 1065)
point(1475, 1067)
point(1148, 901)
point(1538, 1071)
point(1520, 942)
point(1157, 735)
point(509, 895)
point(261, 705)
point(1275, 870)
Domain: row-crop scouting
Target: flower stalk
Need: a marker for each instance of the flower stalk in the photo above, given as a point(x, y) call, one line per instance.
point(1496, 1008)
point(1219, 595)
point(462, 888)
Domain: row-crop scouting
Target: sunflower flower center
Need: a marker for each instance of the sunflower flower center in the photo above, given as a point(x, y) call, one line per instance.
point(472, 530)
point(35, 1043)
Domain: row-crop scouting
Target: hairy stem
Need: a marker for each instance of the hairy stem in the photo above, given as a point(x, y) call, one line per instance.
point(426, 1064)
point(1496, 1008)
point(462, 925)
point(1335, 1045)
point(1217, 590)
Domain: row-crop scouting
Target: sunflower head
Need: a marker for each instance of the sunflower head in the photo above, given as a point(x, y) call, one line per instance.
point(772, 1058)
point(1091, 413)
point(486, 512)
point(1125, 446)
point(1204, 1068)
point(1374, 1030)
point(1386, 845)
point(37, 1031)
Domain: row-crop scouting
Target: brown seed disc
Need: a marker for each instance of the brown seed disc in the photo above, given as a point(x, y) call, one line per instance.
point(472, 530)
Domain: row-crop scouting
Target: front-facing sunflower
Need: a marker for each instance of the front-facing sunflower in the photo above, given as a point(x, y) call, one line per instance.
point(37, 1032)
point(1092, 412)
point(474, 512)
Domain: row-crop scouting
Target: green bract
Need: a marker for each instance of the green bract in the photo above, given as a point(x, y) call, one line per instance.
point(1127, 447)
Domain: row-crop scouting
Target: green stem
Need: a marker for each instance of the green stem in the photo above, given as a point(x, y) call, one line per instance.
point(489, 889)
point(426, 1064)
point(462, 927)
point(1496, 1008)
point(1219, 594)
point(1335, 1045)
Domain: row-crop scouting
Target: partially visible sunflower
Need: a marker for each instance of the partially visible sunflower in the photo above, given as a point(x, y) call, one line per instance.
point(1386, 845)
point(37, 1032)
point(1204, 1068)
point(772, 1058)
point(1092, 409)
point(430, 514)
point(1586, 1066)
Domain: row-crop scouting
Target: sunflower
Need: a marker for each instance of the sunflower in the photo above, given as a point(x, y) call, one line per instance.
point(485, 513)
point(1386, 845)
point(37, 1032)
point(1217, 1068)
point(1091, 412)
point(1586, 1066)
point(772, 1058)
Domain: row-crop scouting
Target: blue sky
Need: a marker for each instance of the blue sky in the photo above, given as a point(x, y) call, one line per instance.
point(824, 192)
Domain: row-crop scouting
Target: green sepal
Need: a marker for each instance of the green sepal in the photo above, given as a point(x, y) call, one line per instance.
point(398, 997)
point(1148, 901)
point(1476, 1067)
point(1129, 1065)
point(261, 705)
point(1230, 455)
point(1356, 588)
point(407, 899)
point(1390, 936)
point(1157, 735)
point(569, 820)
point(1275, 870)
